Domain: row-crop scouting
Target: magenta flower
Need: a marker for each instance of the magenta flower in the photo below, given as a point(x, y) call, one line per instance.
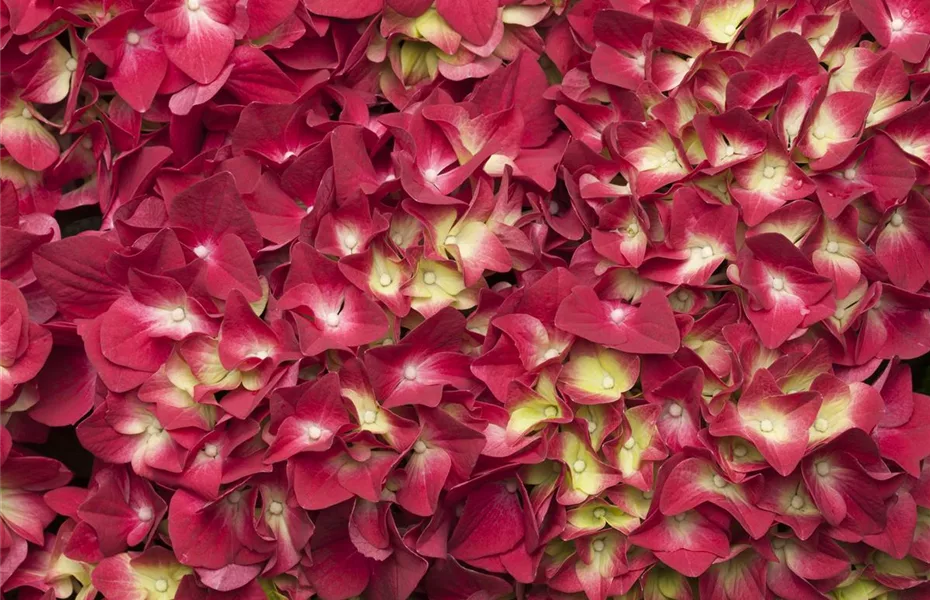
point(465, 300)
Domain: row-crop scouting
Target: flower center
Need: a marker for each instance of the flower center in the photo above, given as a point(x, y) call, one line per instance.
point(616, 315)
point(607, 382)
point(71, 64)
point(550, 354)
point(369, 417)
point(598, 545)
point(766, 426)
point(768, 172)
point(553, 207)
point(178, 315)
point(821, 425)
point(778, 284)
point(897, 24)
point(719, 482)
point(429, 278)
point(579, 466)
point(450, 239)
point(410, 372)
point(629, 444)
point(27, 114)
point(201, 251)
point(833, 247)
point(823, 468)
point(350, 241)
point(161, 585)
point(675, 409)
point(145, 513)
point(332, 319)
point(193, 4)
point(849, 173)
point(275, 508)
point(797, 502)
point(824, 39)
point(419, 447)
point(897, 220)
point(551, 411)
point(740, 451)
point(385, 280)
point(600, 512)
point(211, 450)
point(314, 432)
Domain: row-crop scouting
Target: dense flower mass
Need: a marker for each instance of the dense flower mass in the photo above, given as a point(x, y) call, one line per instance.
point(465, 299)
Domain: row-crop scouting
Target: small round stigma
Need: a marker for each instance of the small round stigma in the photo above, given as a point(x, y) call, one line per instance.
point(332, 319)
point(680, 517)
point(592, 426)
point(369, 417)
point(71, 64)
point(833, 247)
point(145, 513)
point(133, 38)
point(598, 545)
point(675, 409)
point(740, 451)
point(768, 172)
point(766, 426)
point(670, 156)
point(629, 443)
point(849, 173)
point(641, 61)
point(797, 502)
point(275, 508)
point(429, 278)
point(616, 315)
point(682, 295)
point(633, 229)
point(419, 447)
point(824, 40)
point(897, 24)
point(707, 252)
point(778, 284)
point(314, 432)
point(553, 207)
point(193, 4)
point(600, 512)
point(234, 497)
point(178, 315)
point(450, 240)
point(26, 114)
point(821, 425)
point(551, 411)
point(201, 251)
point(823, 468)
point(551, 353)
point(385, 280)
point(350, 241)
point(511, 486)
point(820, 133)
point(607, 382)
point(719, 482)
point(430, 175)
point(161, 585)
point(897, 220)
point(579, 466)
point(730, 151)
point(211, 450)
point(730, 29)
point(410, 372)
